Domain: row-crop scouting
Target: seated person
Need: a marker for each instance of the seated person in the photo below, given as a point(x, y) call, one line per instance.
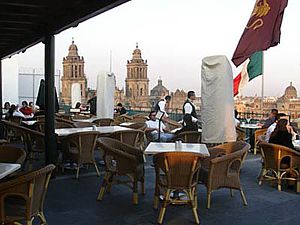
point(153, 128)
point(273, 126)
point(188, 124)
point(282, 135)
point(271, 119)
point(25, 109)
point(14, 112)
point(120, 109)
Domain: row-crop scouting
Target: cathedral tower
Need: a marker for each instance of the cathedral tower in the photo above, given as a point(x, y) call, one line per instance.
point(137, 82)
point(73, 72)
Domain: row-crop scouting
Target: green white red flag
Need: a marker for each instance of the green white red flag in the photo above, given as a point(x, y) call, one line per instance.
point(252, 68)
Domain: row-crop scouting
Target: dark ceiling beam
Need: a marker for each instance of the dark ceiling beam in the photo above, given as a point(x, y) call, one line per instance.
point(18, 4)
point(16, 22)
point(47, 17)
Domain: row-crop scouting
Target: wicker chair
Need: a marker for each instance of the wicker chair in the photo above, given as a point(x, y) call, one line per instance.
point(11, 154)
point(33, 140)
point(241, 134)
point(257, 133)
point(172, 124)
point(83, 124)
point(176, 171)
point(223, 172)
point(104, 122)
point(22, 198)
point(134, 138)
point(122, 119)
point(137, 125)
point(121, 160)
point(278, 162)
point(3, 142)
point(10, 130)
point(80, 148)
point(190, 136)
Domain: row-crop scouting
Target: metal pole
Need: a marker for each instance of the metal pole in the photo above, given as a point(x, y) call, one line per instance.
point(50, 139)
point(262, 87)
point(33, 78)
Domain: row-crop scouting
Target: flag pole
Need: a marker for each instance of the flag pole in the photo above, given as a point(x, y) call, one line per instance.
point(262, 86)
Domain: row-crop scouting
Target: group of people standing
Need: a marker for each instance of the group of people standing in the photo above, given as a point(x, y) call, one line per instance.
point(157, 126)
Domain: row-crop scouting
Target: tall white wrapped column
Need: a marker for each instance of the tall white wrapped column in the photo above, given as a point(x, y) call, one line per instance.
point(217, 108)
point(105, 95)
point(75, 94)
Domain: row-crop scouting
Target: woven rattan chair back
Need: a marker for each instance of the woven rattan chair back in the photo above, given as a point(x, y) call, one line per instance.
point(104, 122)
point(138, 125)
point(80, 148)
point(11, 154)
point(274, 154)
point(224, 172)
point(32, 188)
point(131, 137)
point(277, 162)
point(176, 171)
point(190, 136)
point(257, 133)
point(180, 169)
point(83, 124)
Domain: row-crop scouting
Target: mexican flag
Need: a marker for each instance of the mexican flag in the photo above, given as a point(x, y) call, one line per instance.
point(252, 68)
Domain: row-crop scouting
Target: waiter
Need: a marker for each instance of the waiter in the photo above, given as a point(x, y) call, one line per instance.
point(161, 105)
point(189, 107)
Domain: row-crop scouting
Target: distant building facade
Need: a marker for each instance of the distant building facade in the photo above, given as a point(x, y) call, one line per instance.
point(73, 72)
point(288, 103)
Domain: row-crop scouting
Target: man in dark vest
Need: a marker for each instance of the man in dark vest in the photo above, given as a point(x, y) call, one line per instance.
point(189, 107)
point(161, 105)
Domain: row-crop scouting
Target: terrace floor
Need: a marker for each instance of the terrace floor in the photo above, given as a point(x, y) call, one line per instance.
point(73, 202)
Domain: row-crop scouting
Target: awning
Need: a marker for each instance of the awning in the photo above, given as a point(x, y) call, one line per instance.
point(24, 23)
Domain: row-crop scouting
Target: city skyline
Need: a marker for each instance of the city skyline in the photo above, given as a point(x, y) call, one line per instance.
point(194, 30)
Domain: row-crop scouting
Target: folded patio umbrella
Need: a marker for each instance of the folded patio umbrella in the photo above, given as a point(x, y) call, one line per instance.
point(40, 101)
point(217, 109)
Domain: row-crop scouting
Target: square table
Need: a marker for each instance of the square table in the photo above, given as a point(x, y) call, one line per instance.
point(104, 130)
point(8, 168)
point(158, 147)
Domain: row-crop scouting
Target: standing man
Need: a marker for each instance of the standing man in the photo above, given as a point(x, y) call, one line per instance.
point(189, 107)
point(161, 105)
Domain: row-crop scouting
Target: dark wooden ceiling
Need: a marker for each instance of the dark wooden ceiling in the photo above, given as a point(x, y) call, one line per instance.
point(24, 23)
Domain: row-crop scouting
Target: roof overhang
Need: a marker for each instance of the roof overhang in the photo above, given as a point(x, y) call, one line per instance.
point(24, 23)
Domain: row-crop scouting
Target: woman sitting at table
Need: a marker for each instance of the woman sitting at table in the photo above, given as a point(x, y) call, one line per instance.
point(283, 134)
point(25, 109)
point(14, 112)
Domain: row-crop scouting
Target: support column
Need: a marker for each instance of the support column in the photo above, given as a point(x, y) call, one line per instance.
point(51, 154)
point(1, 88)
point(1, 125)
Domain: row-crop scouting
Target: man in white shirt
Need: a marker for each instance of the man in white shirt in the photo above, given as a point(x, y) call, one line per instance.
point(161, 105)
point(189, 107)
point(153, 128)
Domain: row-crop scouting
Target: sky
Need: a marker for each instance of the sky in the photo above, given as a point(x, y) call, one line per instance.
point(174, 36)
